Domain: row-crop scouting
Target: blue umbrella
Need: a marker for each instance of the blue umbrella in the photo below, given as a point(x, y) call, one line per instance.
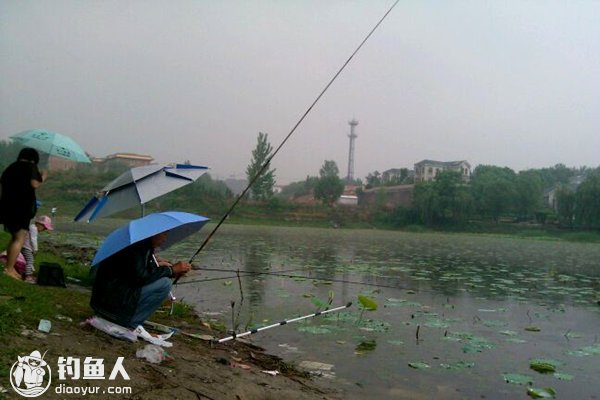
point(52, 143)
point(179, 224)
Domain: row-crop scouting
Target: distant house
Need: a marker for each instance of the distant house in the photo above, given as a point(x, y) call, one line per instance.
point(397, 176)
point(347, 200)
point(130, 160)
point(426, 170)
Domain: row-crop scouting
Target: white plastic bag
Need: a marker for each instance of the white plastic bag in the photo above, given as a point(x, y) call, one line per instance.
point(159, 340)
point(112, 329)
point(152, 353)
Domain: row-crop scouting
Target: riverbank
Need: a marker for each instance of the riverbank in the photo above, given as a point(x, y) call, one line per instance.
point(194, 369)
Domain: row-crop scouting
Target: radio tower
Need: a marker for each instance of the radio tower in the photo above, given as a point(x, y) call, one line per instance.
point(352, 136)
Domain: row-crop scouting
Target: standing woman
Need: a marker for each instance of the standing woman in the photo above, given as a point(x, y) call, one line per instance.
point(18, 204)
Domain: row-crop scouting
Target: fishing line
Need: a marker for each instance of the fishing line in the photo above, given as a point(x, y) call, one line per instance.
point(268, 161)
point(285, 275)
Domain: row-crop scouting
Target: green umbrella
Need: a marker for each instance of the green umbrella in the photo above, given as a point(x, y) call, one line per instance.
point(52, 143)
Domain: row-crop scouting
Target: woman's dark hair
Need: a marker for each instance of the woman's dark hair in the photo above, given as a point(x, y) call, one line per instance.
point(29, 154)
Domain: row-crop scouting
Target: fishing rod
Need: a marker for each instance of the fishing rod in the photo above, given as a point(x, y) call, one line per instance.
point(268, 161)
point(284, 322)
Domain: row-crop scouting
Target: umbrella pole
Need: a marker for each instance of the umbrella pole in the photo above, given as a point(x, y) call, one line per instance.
point(284, 322)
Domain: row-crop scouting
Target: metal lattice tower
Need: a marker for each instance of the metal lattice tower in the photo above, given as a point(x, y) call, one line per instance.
point(352, 136)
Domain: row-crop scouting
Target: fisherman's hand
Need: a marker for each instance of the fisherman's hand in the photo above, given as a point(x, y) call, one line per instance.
point(163, 262)
point(180, 268)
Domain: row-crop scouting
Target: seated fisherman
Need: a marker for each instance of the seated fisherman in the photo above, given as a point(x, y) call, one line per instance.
point(131, 284)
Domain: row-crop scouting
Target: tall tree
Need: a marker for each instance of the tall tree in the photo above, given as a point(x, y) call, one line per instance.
point(329, 187)
point(587, 201)
point(493, 190)
point(528, 192)
point(454, 200)
point(425, 203)
point(262, 189)
point(373, 179)
point(565, 206)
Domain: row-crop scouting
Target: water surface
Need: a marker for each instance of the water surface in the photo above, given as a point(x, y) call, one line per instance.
point(457, 315)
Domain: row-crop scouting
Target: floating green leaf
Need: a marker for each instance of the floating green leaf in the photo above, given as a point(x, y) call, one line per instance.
point(458, 365)
point(473, 344)
point(368, 303)
point(532, 329)
point(593, 350)
point(436, 323)
point(418, 365)
point(492, 323)
point(573, 335)
point(563, 377)
point(315, 330)
point(537, 393)
point(515, 340)
point(318, 302)
point(365, 346)
point(543, 366)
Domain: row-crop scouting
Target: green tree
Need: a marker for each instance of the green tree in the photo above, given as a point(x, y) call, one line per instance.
point(329, 187)
point(262, 189)
point(493, 190)
point(587, 201)
point(552, 176)
point(565, 203)
point(300, 188)
point(425, 203)
point(528, 193)
point(445, 200)
point(373, 179)
point(454, 201)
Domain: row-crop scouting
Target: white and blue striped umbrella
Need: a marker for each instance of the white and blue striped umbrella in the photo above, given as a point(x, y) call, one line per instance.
point(138, 186)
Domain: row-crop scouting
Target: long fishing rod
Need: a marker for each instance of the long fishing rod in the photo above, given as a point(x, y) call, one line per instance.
point(268, 161)
point(284, 322)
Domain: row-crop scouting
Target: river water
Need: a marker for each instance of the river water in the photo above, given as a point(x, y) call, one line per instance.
point(458, 316)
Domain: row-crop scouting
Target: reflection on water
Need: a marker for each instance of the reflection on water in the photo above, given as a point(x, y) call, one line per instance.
point(462, 310)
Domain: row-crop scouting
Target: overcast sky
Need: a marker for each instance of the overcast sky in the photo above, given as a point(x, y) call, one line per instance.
point(511, 83)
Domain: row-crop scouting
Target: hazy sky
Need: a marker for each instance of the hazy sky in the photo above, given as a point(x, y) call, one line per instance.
point(511, 83)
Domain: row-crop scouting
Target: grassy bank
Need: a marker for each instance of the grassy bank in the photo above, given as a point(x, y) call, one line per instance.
point(23, 305)
point(195, 369)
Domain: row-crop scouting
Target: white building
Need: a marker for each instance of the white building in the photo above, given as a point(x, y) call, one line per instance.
point(427, 170)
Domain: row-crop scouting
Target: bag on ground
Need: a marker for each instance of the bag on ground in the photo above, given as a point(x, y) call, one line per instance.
point(51, 274)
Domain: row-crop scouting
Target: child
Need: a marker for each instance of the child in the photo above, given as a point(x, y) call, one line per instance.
point(41, 224)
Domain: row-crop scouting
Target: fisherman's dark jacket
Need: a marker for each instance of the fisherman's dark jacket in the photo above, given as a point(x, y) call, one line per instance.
point(119, 281)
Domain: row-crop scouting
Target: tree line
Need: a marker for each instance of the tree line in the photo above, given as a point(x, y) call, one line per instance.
point(495, 192)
